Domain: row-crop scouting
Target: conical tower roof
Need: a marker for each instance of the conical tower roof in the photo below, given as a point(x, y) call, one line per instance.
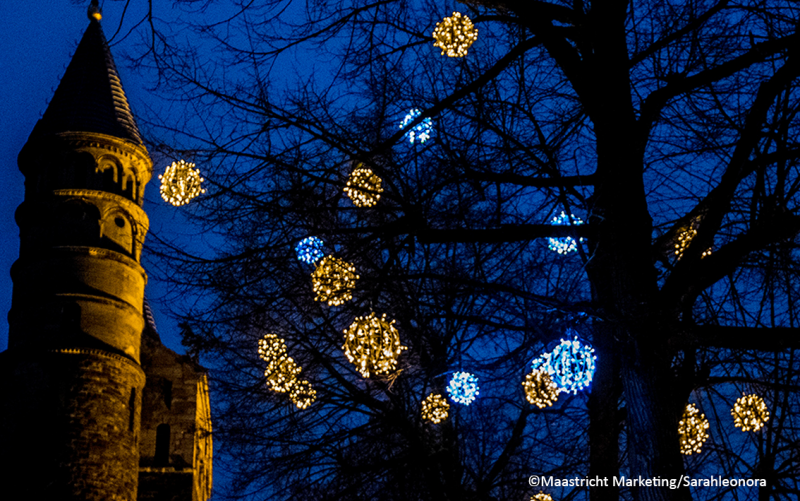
point(90, 96)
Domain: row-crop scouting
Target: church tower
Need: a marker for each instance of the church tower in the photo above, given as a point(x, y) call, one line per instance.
point(71, 380)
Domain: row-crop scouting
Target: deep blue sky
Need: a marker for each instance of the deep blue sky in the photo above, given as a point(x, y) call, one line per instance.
point(38, 39)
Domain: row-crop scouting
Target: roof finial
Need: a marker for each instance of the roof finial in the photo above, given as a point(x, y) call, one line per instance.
point(95, 13)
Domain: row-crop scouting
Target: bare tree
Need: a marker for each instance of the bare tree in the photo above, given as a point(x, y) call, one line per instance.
point(670, 128)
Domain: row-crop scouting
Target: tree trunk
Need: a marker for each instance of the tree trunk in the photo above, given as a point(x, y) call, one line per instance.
point(604, 417)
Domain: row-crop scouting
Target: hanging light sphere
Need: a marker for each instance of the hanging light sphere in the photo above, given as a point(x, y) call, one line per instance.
point(750, 413)
point(454, 35)
point(571, 365)
point(540, 390)
point(541, 497)
point(302, 394)
point(309, 250)
point(564, 245)
point(281, 371)
point(372, 344)
point(333, 281)
point(420, 132)
point(363, 188)
point(692, 430)
point(463, 388)
point(435, 408)
point(180, 183)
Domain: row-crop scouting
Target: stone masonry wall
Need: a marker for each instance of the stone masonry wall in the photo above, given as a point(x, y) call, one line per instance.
point(75, 416)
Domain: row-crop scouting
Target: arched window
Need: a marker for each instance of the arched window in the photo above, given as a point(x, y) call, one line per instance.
point(132, 408)
point(162, 445)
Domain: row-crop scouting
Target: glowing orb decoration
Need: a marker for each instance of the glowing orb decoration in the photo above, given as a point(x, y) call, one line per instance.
point(281, 371)
point(363, 188)
point(571, 365)
point(692, 430)
point(420, 132)
point(463, 388)
point(564, 245)
point(372, 344)
point(302, 394)
point(750, 413)
point(180, 183)
point(540, 390)
point(435, 408)
point(334, 281)
point(309, 250)
point(542, 497)
point(454, 35)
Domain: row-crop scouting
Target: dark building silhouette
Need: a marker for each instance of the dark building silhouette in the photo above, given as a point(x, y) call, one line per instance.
point(92, 405)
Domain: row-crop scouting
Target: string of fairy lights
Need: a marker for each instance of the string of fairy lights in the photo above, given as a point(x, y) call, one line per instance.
point(372, 343)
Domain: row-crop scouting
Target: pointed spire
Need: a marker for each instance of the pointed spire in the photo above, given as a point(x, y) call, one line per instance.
point(95, 12)
point(90, 96)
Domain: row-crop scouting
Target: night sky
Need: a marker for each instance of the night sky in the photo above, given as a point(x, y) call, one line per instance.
point(38, 40)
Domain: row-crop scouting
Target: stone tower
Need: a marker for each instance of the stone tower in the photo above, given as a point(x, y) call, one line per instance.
point(175, 437)
point(71, 380)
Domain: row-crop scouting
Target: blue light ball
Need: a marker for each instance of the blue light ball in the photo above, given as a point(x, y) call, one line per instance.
point(420, 132)
point(463, 388)
point(564, 245)
point(571, 364)
point(309, 250)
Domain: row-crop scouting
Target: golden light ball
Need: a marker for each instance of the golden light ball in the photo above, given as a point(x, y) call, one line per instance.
point(281, 371)
point(750, 413)
point(455, 35)
point(334, 281)
point(692, 430)
point(302, 394)
point(180, 183)
point(435, 408)
point(372, 344)
point(363, 188)
point(540, 389)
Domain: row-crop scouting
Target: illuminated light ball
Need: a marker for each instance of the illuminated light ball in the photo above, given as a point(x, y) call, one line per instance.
point(281, 371)
point(455, 35)
point(372, 344)
point(180, 183)
point(540, 390)
point(564, 245)
point(309, 250)
point(692, 430)
point(463, 388)
point(420, 132)
point(363, 188)
point(271, 348)
point(334, 281)
point(435, 408)
point(571, 365)
point(302, 394)
point(282, 375)
point(750, 413)
point(541, 497)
